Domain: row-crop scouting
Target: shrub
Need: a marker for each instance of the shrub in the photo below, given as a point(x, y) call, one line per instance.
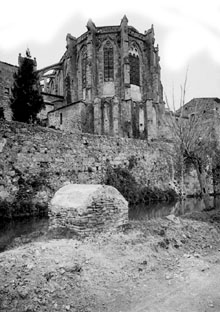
point(23, 204)
point(134, 193)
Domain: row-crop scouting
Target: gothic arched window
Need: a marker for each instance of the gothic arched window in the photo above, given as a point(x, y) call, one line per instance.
point(52, 87)
point(108, 62)
point(84, 61)
point(134, 66)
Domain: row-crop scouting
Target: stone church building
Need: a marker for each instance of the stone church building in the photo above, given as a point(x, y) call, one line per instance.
point(106, 83)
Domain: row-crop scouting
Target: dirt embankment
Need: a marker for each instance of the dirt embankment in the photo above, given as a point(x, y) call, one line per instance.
point(160, 265)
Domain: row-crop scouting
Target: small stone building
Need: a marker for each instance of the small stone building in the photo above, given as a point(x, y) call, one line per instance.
point(208, 110)
point(207, 107)
point(109, 78)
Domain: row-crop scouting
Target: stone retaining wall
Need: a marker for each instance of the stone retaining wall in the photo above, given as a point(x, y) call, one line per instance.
point(47, 159)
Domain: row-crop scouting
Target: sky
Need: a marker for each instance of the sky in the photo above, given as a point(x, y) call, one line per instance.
point(187, 32)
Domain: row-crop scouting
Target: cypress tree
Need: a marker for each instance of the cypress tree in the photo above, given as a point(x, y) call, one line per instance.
point(26, 101)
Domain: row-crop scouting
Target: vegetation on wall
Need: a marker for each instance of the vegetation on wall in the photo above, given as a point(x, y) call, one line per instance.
point(38, 160)
point(134, 193)
point(24, 204)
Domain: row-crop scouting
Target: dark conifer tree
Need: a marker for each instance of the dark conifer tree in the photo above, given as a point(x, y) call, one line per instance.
point(26, 101)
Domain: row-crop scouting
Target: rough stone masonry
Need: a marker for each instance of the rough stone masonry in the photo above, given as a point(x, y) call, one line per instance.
point(30, 153)
point(85, 208)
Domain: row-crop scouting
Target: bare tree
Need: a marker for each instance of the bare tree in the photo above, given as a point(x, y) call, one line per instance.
point(194, 141)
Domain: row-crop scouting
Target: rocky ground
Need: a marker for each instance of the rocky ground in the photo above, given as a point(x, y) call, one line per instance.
point(170, 264)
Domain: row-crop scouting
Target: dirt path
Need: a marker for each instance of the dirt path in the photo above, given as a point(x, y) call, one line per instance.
point(193, 286)
point(157, 266)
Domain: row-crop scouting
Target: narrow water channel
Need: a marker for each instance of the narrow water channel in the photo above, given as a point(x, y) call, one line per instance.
point(159, 210)
point(28, 229)
point(12, 233)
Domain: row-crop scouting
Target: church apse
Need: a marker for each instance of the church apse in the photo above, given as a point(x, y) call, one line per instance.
point(111, 75)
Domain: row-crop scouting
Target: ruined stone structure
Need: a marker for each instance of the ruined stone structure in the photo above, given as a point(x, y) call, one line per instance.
point(6, 81)
point(86, 208)
point(107, 82)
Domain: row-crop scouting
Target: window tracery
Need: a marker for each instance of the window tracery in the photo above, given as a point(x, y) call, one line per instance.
point(134, 66)
point(84, 62)
point(108, 62)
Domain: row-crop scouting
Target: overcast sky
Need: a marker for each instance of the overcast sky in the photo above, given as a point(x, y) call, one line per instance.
point(187, 31)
